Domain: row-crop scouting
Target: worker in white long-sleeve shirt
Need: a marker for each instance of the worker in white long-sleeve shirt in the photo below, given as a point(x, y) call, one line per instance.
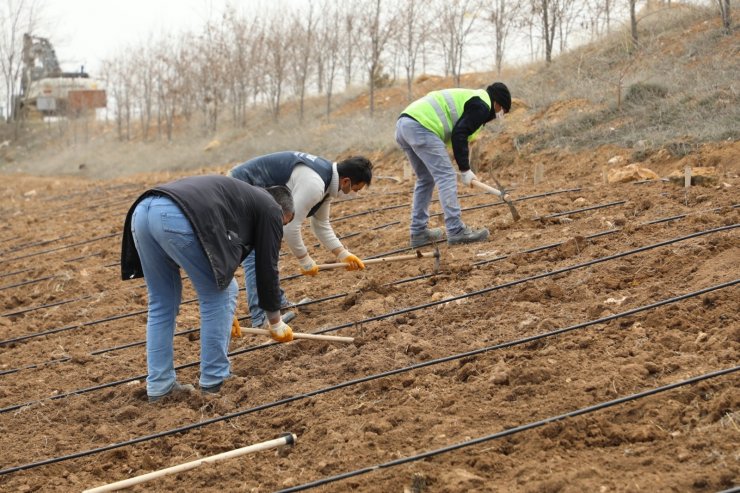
point(313, 182)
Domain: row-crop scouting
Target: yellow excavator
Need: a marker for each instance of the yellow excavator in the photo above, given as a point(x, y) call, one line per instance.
point(47, 91)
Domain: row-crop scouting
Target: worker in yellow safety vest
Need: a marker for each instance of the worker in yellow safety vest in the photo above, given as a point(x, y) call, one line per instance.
point(424, 130)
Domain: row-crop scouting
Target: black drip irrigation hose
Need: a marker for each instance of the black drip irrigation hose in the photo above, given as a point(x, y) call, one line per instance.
point(348, 383)
point(15, 272)
point(195, 329)
point(76, 326)
point(72, 327)
point(43, 252)
point(45, 242)
point(48, 305)
point(407, 309)
point(520, 199)
point(294, 276)
point(350, 235)
point(604, 233)
point(104, 202)
point(394, 206)
point(512, 283)
point(397, 206)
point(33, 244)
point(320, 300)
point(576, 211)
point(77, 259)
point(734, 489)
point(513, 431)
point(88, 192)
point(483, 262)
point(25, 283)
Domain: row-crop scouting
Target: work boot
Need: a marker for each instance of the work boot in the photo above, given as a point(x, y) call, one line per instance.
point(468, 235)
point(426, 236)
point(213, 389)
point(177, 388)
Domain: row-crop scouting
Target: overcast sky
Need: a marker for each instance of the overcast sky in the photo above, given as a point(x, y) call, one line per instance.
point(84, 32)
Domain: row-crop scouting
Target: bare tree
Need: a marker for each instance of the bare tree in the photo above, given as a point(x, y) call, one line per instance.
point(211, 65)
point(348, 41)
point(633, 24)
point(303, 30)
point(244, 52)
point(328, 61)
point(724, 10)
point(171, 82)
point(503, 15)
point(17, 17)
point(119, 79)
point(412, 36)
point(599, 17)
point(377, 31)
point(568, 13)
point(547, 10)
point(144, 88)
point(276, 64)
point(457, 18)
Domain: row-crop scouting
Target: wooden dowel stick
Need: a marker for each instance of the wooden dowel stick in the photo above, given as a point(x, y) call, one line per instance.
point(300, 335)
point(285, 440)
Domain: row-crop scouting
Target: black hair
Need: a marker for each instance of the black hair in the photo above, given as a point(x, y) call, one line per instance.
point(283, 197)
point(357, 169)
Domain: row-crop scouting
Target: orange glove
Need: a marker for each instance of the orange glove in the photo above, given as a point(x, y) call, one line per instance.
point(236, 330)
point(281, 332)
point(308, 266)
point(353, 263)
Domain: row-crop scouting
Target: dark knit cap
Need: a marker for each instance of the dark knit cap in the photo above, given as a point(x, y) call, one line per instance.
point(500, 93)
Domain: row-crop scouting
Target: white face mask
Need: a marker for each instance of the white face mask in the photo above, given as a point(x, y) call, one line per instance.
point(351, 195)
point(500, 115)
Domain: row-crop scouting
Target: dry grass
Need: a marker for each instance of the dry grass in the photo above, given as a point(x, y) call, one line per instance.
point(680, 87)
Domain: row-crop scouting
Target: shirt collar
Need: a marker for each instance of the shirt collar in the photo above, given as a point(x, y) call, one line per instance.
point(334, 184)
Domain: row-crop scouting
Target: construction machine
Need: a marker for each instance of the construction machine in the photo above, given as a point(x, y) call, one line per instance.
point(46, 90)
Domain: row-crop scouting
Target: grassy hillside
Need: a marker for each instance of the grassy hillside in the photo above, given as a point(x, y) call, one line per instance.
point(675, 93)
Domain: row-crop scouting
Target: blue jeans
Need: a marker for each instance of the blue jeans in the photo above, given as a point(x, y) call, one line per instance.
point(165, 242)
point(428, 156)
point(256, 313)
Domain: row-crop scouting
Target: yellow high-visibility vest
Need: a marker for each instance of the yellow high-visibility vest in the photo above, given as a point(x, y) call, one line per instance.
point(439, 111)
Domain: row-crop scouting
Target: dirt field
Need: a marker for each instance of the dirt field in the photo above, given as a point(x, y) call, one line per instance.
point(66, 314)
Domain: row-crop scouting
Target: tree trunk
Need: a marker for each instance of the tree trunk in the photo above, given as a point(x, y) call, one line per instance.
point(724, 10)
point(633, 24)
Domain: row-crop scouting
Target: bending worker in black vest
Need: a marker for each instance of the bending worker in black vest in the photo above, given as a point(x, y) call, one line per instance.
point(313, 182)
point(205, 225)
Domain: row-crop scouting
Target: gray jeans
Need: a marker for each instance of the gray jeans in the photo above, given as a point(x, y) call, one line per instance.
point(431, 163)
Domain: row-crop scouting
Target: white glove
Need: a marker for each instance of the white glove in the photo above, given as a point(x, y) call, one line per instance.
point(468, 177)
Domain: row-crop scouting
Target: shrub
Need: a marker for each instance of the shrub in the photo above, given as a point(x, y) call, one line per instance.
point(643, 92)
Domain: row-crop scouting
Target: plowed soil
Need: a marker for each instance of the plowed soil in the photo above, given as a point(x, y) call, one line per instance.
point(582, 257)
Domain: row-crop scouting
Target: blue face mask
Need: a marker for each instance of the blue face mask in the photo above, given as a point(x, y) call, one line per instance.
point(500, 115)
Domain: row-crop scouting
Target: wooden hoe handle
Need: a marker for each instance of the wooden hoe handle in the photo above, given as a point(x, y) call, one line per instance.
point(488, 188)
point(382, 260)
point(300, 335)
